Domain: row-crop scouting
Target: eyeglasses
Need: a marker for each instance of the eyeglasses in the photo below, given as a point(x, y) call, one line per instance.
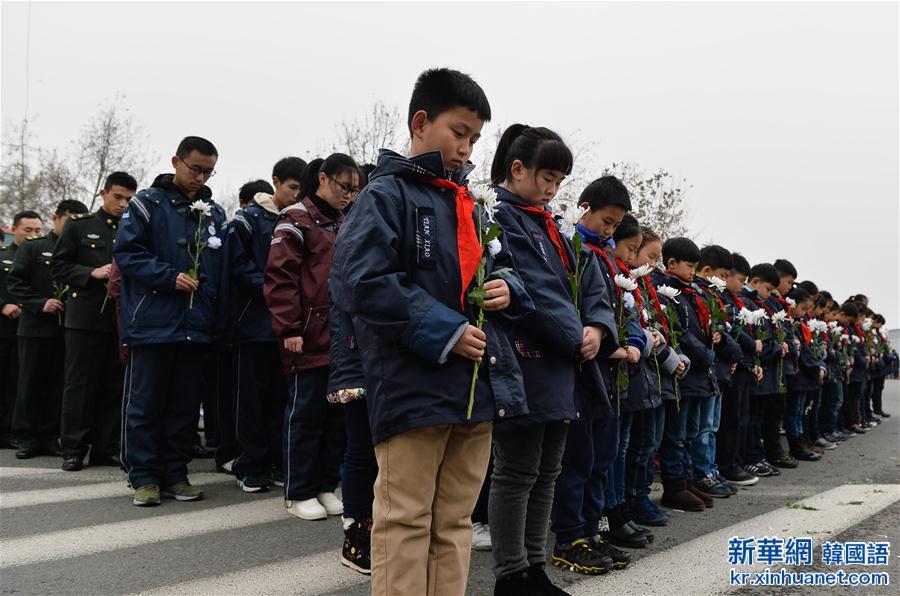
point(347, 189)
point(197, 170)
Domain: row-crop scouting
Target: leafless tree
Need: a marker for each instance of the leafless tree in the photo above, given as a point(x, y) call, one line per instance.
point(20, 183)
point(361, 138)
point(658, 198)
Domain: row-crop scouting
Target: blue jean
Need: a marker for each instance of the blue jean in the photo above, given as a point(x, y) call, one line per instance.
point(313, 438)
point(579, 499)
point(615, 484)
point(832, 399)
point(679, 433)
point(703, 448)
point(360, 465)
point(794, 403)
point(639, 458)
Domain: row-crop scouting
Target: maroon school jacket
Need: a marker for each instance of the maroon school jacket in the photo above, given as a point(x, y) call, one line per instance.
point(296, 283)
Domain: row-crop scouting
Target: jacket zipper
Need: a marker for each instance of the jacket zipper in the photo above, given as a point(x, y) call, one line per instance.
point(243, 312)
point(306, 324)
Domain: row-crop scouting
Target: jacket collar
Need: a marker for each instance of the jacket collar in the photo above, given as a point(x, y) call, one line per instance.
point(430, 163)
point(166, 182)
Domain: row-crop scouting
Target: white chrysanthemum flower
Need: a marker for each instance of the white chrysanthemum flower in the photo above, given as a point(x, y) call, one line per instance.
point(745, 316)
point(626, 283)
point(668, 291)
point(628, 299)
point(790, 301)
point(854, 339)
point(641, 271)
point(718, 283)
point(486, 197)
point(779, 317)
point(201, 207)
point(759, 316)
point(494, 247)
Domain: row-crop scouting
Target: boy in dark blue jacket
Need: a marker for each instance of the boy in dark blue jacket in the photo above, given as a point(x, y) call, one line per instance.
point(169, 250)
point(260, 390)
point(714, 266)
point(410, 252)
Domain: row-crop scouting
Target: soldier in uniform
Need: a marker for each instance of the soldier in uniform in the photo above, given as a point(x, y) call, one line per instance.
point(25, 223)
point(40, 339)
point(92, 395)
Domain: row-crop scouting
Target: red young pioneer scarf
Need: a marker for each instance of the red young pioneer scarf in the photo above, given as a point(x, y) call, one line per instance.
point(638, 295)
point(467, 244)
point(552, 232)
point(807, 334)
point(702, 310)
point(609, 265)
point(654, 300)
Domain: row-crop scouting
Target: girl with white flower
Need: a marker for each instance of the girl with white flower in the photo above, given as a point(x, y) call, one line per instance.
point(529, 166)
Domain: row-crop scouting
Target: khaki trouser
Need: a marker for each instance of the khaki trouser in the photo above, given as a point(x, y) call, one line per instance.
point(428, 482)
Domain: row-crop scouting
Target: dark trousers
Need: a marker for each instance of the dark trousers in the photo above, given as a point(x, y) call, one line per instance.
point(480, 513)
point(217, 389)
point(733, 425)
point(92, 396)
point(360, 465)
point(9, 373)
point(752, 451)
point(639, 458)
point(851, 403)
point(579, 501)
point(865, 403)
point(260, 392)
point(679, 434)
point(772, 418)
point(832, 399)
point(313, 438)
point(160, 403)
point(39, 396)
point(811, 420)
point(877, 392)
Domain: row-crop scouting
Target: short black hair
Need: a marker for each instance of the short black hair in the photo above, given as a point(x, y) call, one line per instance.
point(798, 294)
point(680, 249)
point(198, 144)
point(850, 309)
point(71, 206)
point(629, 228)
point(334, 165)
point(28, 214)
point(826, 295)
point(785, 268)
point(605, 191)
point(648, 236)
point(249, 190)
point(538, 148)
point(439, 90)
point(824, 300)
point(365, 170)
point(809, 286)
point(715, 257)
point(878, 318)
point(123, 179)
point(765, 272)
point(740, 264)
point(289, 168)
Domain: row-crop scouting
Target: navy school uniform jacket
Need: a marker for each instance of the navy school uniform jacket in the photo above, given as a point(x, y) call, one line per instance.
point(858, 372)
point(743, 337)
point(776, 303)
point(700, 380)
point(728, 351)
point(661, 380)
point(548, 340)
point(808, 365)
point(399, 260)
point(152, 243)
point(345, 368)
point(771, 351)
point(248, 240)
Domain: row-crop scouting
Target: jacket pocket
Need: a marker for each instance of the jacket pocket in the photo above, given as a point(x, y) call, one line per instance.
point(316, 332)
point(155, 311)
point(527, 351)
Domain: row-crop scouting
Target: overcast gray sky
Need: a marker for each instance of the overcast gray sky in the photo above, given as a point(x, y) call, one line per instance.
point(783, 117)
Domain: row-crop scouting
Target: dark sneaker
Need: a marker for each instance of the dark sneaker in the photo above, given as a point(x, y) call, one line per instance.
point(183, 491)
point(26, 452)
point(773, 471)
point(883, 414)
point(759, 470)
point(580, 557)
point(254, 484)
point(717, 476)
point(825, 444)
point(620, 558)
point(146, 495)
point(710, 487)
point(516, 584)
point(539, 580)
point(357, 545)
point(785, 461)
point(858, 429)
point(739, 477)
point(645, 513)
point(73, 463)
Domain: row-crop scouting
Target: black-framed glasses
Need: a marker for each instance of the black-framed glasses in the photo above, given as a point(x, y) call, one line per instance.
point(197, 170)
point(347, 189)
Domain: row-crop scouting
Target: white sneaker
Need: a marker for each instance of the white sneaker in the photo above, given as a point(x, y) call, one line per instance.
point(825, 443)
point(481, 536)
point(331, 503)
point(309, 509)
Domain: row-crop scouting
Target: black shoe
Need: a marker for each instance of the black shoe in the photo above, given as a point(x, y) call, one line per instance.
point(73, 463)
point(712, 488)
point(539, 579)
point(883, 414)
point(201, 452)
point(581, 557)
point(620, 533)
point(620, 558)
point(739, 477)
point(356, 553)
point(111, 461)
point(785, 461)
point(647, 532)
point(254, 484)
point(26, 452)
point(858, 429)
point(516, 584)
